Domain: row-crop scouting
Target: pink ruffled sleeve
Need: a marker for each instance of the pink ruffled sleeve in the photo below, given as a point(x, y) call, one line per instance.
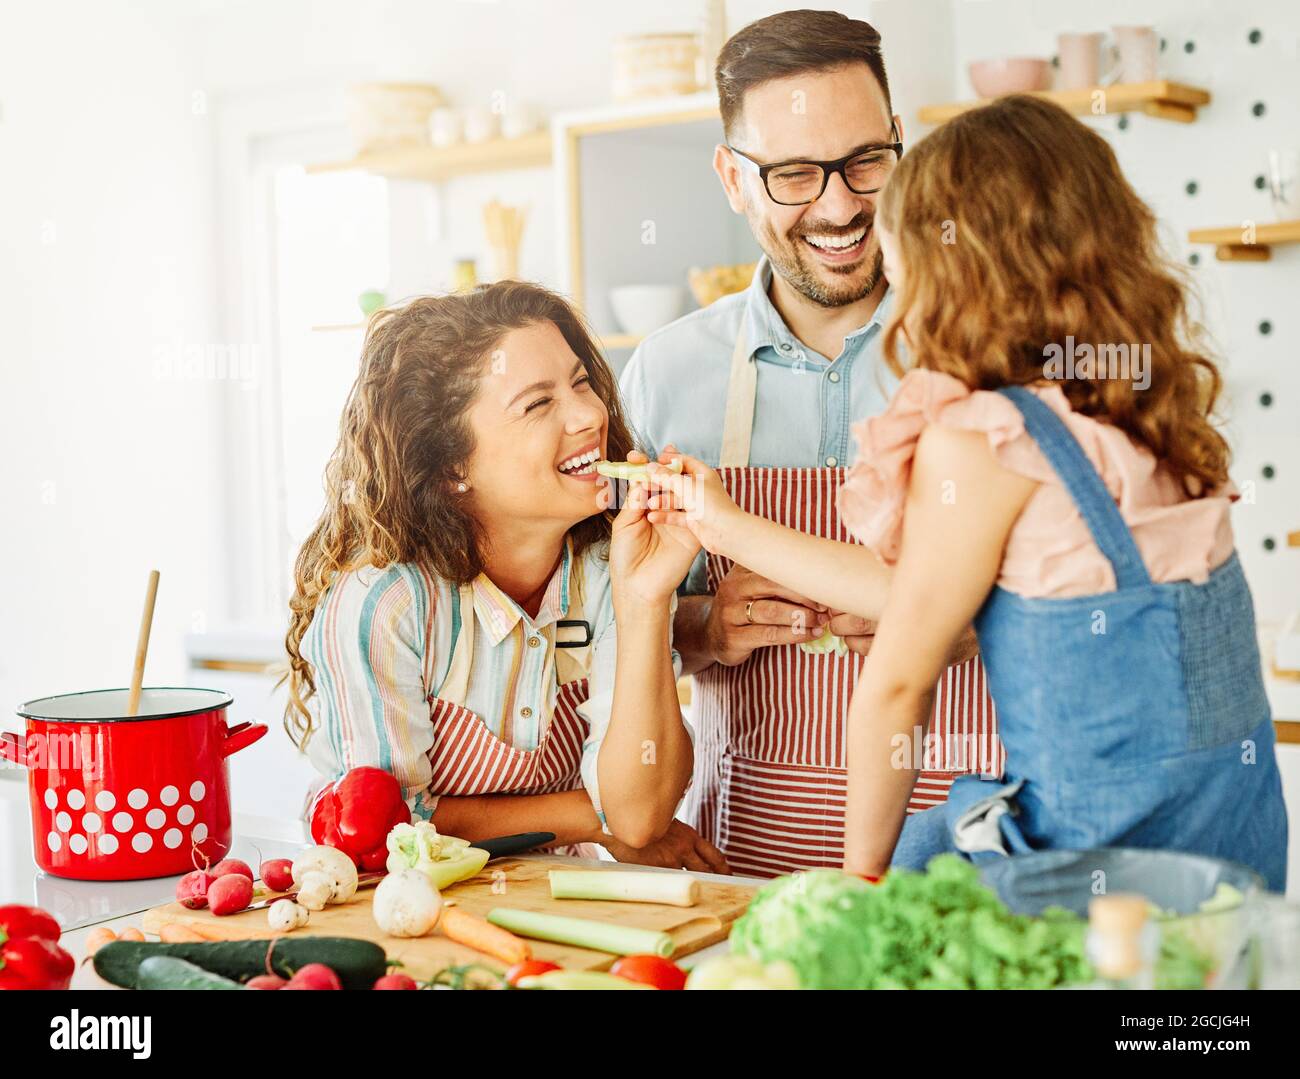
point(871, 500)
point(1050, 551)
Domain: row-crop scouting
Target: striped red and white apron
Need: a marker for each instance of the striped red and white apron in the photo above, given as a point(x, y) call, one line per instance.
point(467, 758)
point(770, 752)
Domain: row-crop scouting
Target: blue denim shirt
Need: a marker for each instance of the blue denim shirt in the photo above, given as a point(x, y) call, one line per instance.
point(675, 385)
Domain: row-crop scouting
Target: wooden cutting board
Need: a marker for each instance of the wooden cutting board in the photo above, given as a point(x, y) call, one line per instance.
point(506, 882)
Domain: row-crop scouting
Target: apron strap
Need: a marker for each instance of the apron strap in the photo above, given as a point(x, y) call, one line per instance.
point(1085, 486)
point(738, 420)
point(455, 683)
point(572, 664)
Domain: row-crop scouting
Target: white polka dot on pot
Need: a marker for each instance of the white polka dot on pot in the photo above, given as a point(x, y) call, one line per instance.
point(105, 801)
point(76, 799)
point(200, 833)
point(197, 791)
point(107, 843)
point(185, 815)
point(172, 838)
point(169, 795)
point(63, 822)
point(138, 798)
point(141, 842)
point(155, 818)
point(78, 844)
point(51, 799)
point(54, 841)
point(123, 821)
point(92, 822)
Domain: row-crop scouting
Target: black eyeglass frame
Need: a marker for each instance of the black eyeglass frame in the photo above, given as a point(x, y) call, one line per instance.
point(829, 168)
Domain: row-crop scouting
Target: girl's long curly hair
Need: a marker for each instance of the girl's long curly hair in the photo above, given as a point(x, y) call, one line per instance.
point(404, 441)
point(1017, 229)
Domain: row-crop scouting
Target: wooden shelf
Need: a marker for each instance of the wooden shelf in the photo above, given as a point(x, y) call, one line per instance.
point(429, 163)
point(618, 340)
point(1163, 100)
point(1248, 242)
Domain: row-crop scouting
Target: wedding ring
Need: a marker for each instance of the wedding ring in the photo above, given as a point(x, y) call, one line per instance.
point(749, 612)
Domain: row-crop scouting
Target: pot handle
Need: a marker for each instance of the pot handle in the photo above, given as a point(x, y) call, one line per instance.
point(241, 736)
point(13, 748)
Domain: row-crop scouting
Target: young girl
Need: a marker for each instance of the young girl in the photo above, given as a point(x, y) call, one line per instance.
point(1077, 513)
point(468, 615)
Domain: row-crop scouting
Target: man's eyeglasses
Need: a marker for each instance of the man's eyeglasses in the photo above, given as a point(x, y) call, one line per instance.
point(797, 183)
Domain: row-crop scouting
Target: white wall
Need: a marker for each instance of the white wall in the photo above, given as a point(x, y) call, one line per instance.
point(110, 452)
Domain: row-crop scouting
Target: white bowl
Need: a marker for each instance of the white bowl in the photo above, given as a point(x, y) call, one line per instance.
point(642, 309)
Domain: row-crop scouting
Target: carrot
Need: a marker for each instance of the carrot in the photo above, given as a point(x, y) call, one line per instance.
point(178, 934)
point(131, 933)
point(98, 937)
point(465, 928)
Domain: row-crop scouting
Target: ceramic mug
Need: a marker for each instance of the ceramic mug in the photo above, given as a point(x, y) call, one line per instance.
point(1080, 60)
point(1139, 51)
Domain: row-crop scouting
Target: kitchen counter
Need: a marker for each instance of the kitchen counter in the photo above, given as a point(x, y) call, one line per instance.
point(81, 905)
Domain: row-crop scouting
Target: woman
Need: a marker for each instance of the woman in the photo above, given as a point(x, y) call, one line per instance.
point(1078, 513)
point(468, 615)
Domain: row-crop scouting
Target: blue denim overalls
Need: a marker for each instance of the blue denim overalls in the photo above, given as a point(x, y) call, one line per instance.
point(1133, 718)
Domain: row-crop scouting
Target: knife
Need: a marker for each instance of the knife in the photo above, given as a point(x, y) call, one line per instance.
point(514, 844)
point(498, 847)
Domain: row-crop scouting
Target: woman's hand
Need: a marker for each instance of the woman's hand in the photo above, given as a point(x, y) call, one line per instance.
point(696, 501)
point(647, 563)
point(681, 847)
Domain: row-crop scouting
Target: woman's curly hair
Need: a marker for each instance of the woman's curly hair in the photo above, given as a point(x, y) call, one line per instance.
point(404, 441)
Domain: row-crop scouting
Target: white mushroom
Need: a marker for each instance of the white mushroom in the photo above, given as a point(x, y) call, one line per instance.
point(407, 904)
point(315, 891)
point(286, 915)
point(337, 869)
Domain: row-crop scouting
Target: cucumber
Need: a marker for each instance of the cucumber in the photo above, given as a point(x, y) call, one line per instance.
point(358, 963)
point(630, 470)
point(168, 972)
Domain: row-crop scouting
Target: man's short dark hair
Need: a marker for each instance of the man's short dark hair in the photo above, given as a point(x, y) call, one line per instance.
point(789, 43)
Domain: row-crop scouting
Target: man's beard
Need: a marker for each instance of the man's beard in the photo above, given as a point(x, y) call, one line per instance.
point(794, 264)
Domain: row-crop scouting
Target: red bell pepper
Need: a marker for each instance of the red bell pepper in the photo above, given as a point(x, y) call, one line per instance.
point(356, 813)
point(30, 956)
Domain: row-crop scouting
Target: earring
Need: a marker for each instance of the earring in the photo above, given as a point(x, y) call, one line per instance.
point(462, 487)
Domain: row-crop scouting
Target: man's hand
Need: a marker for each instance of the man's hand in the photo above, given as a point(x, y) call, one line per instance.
point(681, 847)
point(752, 612)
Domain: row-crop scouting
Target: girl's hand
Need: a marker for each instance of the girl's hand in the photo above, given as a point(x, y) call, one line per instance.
point(695, 501)
point(647, 563)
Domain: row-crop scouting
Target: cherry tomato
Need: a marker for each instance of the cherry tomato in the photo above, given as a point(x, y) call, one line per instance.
point(650, 970)
point(527, 968)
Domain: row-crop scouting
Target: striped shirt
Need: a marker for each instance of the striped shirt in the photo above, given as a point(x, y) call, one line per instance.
point(380, 645)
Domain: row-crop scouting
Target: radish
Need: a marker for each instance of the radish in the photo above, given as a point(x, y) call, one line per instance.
point(314, 976)
point(396, 981)
point(231, 865)
point(192, 889)
point(230, 894)
point(266, 981)
point(277, 874)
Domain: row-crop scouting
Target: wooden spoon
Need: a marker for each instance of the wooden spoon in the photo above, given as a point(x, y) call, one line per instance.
point(142, 644)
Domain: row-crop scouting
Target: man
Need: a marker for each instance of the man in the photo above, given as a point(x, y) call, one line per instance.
point(764, 385)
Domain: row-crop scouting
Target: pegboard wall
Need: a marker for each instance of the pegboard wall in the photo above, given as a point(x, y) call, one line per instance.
point(1207, 174)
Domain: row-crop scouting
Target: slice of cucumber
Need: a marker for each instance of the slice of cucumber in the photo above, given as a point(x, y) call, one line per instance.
point(824, 643)
point(632, 470)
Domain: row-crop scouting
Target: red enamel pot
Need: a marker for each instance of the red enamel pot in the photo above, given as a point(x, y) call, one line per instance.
point(118, 797)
